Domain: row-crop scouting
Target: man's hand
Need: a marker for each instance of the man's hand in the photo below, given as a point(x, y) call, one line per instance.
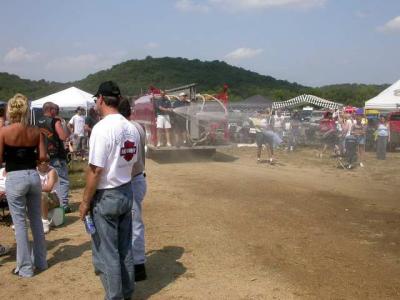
point(93, 174)
point(83, 210)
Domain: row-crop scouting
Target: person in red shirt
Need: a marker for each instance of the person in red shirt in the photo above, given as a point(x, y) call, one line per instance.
point(327, 128)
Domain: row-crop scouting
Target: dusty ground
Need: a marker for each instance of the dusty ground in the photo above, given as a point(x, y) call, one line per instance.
point(232, 229)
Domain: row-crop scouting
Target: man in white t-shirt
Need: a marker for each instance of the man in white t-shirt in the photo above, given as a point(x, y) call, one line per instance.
point(108, 193)
point(77, 127)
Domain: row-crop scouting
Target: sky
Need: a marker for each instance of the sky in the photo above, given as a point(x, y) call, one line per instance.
point(311, 42)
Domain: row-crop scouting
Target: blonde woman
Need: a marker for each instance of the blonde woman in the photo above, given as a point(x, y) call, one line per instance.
point(21, 146)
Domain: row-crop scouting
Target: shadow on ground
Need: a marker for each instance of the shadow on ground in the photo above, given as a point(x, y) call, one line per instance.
point(191, 156)
point(11, 256)
point(68, 252)
point(162, 269)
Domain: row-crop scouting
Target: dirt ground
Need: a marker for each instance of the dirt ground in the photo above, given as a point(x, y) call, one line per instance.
point(229, 228)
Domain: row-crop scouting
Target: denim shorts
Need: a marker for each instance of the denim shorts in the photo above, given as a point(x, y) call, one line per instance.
point(361, 140)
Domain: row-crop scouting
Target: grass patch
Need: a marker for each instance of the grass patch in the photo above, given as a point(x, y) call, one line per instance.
point(76, 172)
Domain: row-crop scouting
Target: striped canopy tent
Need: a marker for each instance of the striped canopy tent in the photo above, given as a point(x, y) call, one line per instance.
point(307, 99)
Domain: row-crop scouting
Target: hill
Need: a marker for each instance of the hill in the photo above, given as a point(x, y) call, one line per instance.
point(134, 76)
point(11, 84)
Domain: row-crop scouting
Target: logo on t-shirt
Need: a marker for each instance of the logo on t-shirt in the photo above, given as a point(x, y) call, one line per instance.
point(128, 151)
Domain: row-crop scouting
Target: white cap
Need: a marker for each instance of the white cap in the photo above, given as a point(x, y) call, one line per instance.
point(182, 94)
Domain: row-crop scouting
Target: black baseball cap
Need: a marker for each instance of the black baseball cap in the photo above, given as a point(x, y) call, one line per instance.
point(108, 88)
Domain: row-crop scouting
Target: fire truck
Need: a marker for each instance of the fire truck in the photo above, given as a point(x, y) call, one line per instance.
point(205, 117)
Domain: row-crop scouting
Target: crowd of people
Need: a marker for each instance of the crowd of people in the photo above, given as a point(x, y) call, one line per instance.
point(35, 175)
point(36, 184)
point(337, 132)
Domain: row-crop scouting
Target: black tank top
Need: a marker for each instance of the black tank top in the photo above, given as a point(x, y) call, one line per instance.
point(55, 146)
point(20, 158)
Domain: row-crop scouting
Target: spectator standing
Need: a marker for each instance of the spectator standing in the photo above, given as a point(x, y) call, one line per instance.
point(20, 147)
point(278, 123)
point(51, 126)
point(3, 250)
point(108, 194)
point(328, 131)
point(163, 109)
point(180, 113)
point(359, 131)
point(90, 121)
point(77, 127)
point(2, 117)
point(295, 131)
point(264, 136)
point(139, 188)
point(383, 136)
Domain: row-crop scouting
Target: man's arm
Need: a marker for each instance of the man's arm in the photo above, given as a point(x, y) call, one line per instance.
point(42, 147)
point(60, 131)
point(93, 174)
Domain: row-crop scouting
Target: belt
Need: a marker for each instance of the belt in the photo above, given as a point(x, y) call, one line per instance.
point(144, 174)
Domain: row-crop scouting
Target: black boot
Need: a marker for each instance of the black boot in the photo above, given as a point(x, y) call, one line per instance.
point(140, 272)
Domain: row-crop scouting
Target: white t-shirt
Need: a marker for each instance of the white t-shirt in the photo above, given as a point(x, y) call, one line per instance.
point(79, 124)
point(114, 143)
point(349, 126)
point(278, 120)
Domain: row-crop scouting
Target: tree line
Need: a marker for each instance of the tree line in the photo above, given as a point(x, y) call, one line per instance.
point(135, 76)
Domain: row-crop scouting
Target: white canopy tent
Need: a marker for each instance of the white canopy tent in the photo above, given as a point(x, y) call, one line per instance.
point(386, 101)
point(68, 99)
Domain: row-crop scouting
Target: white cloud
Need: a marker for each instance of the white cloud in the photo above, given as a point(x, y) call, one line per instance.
point(238, 5)
point(20, 54)
point(83, 62)
point(152, 45)
point(391, 26)
point(191, 6)
point(243, 53)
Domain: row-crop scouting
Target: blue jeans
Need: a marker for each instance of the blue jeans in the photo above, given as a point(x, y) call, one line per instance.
point(139, 188)
point(24, 192)
point(112, 242)
point(62, 170)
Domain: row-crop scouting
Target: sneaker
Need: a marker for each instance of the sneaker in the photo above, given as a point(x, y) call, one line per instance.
point(67, 209)
point(258, 160)
point(158, 144)
point(4, 250)
point(361, 165)
point(46, 226)
point(140, 272)
point(169, 145)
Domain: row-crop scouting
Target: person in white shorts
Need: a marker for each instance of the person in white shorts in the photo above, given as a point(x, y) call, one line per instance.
point(163, 109)
point(50, 191)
